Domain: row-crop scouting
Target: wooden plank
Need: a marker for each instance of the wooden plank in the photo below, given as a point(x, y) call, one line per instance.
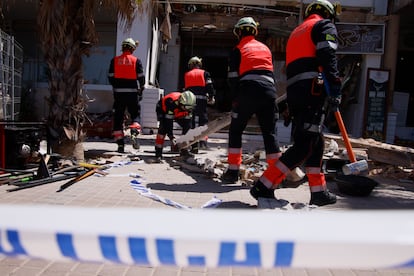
point(212, 127)
point(380, 152)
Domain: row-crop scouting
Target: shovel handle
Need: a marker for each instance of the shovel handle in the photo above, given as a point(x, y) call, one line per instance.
point(348, 146)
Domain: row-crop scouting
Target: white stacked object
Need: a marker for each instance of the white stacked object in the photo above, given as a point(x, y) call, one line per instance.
point(391, 126)
point(150, 98)
point(283, 133)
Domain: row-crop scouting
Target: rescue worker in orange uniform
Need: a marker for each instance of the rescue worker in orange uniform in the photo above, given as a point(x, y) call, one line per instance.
point(312, 73)
point(198, 81)
point(253, 91)
point(175, 106)
point(126, 75)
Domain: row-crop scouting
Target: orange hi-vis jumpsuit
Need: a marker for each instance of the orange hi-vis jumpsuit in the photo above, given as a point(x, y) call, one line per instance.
point(168, 111)
point(310, 50)
point(200, 83)
point(254, 92)
point(126, 75)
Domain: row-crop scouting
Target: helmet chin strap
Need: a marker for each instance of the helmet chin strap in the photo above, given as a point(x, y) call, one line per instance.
point(236, 34)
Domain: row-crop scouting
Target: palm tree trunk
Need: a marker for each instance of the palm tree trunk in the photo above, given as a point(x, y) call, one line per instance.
point(66, 32)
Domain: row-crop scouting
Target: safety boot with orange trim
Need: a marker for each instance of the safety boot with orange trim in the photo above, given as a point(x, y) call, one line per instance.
point(135, 131)
point(230, 176)
point(322, 198)
point(260, 190)
point(121, 145)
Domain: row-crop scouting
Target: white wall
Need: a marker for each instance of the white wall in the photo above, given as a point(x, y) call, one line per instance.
point(140, 30)
point(354, 118)
point(170, 62)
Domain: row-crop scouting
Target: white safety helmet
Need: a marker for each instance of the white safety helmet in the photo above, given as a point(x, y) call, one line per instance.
point(195, 61)
point(245, 26)
point(187, 100)
point(324, 8)
point(130, 43)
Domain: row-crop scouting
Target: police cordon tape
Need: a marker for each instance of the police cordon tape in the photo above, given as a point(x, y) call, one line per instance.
point(209, 237)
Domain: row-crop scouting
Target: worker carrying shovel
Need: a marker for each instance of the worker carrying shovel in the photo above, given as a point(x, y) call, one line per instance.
point(310, 60)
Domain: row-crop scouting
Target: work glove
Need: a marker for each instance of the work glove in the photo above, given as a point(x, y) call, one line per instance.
point(140, 91)
point(335, 87)
point(211, 100)
point(286, 116)
point(174, 146)
point(334, 101)
point(334, 93)
point(139, 96)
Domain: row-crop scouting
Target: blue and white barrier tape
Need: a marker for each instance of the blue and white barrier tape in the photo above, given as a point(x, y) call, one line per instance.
point(144, 191)
point(210, 238)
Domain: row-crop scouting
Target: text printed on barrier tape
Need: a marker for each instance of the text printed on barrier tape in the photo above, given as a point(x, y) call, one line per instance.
point(211, 238)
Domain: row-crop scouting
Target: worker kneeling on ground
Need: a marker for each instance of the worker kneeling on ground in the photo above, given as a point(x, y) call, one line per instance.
point(175, 106)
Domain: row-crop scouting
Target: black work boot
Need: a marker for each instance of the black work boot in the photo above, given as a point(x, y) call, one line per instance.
point(230, 176)
point(121, 145)
point(186, 153)
point(260, 190)
point(322, 198)
point(194, 148)
point(134, 138)
point(174, 148)
point(203, 144)
point(158, 154)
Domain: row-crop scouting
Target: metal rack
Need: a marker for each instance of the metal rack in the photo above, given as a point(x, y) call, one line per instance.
point(11, 69)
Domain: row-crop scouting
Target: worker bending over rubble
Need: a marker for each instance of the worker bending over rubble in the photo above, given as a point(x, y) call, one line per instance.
point(175, 106)
point(311, 67)
point(253, 91)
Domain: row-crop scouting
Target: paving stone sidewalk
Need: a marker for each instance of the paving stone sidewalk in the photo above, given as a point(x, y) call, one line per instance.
point(188, 188)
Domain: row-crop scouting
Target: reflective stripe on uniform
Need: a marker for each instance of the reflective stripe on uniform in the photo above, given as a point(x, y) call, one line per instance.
point(326, 44)
point(316, 179)
point(302, 76)
point(232, 74)
point(257, 77)
point(118, 134)
point(272, 158)
point(159, 140)
point(274, 175)
point(312, 128)
point(125, 90)
point(234, 158)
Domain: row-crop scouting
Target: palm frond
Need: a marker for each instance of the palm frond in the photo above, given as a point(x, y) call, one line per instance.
point(128, 10)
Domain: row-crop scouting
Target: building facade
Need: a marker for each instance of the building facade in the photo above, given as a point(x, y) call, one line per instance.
point(376, 47)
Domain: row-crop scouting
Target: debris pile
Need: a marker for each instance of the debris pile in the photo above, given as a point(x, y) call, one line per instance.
point(393, 172)
point(254, 163)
